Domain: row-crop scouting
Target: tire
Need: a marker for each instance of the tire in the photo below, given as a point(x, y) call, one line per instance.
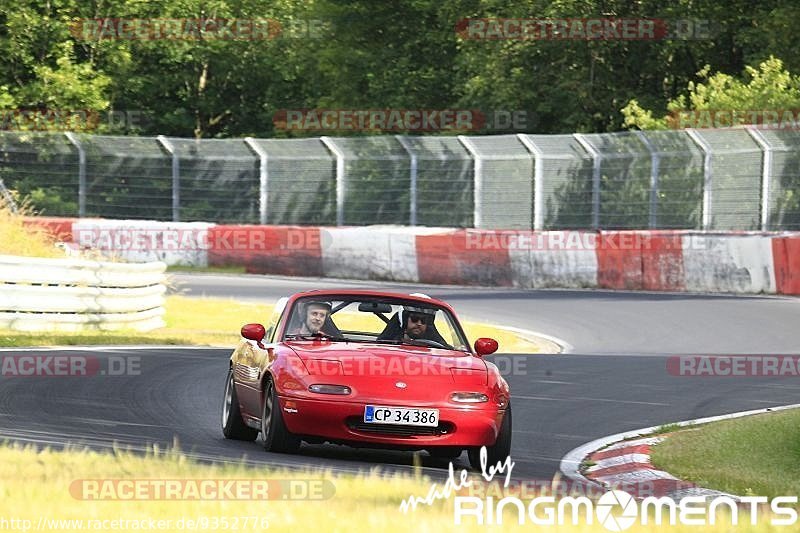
point(274, 435)
point(233, 427)
point(499, 451)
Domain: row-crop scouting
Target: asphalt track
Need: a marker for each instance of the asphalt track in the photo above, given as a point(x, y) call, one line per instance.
point(614, 379)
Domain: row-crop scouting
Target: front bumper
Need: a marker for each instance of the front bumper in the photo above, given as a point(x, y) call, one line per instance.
point(342, 421)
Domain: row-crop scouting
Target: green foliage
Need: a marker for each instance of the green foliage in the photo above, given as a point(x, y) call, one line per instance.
point(768, 87)
point(637, 117)
point(362, 54)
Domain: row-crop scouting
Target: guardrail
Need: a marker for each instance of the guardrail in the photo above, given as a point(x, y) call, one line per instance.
point(39, 294)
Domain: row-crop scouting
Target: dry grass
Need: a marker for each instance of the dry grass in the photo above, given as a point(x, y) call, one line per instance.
point(217, 321)
point(18, 239)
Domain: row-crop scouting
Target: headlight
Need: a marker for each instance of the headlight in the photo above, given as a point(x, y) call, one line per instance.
point(330, 389)
point(469, 397)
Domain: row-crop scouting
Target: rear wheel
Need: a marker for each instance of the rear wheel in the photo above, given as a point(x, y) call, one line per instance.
point(499, 451)
point(274, 435)
point(233, 427)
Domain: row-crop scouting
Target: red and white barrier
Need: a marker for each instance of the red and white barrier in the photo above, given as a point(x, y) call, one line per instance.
point(285, 250)
point(661, 260)
point(142, 241)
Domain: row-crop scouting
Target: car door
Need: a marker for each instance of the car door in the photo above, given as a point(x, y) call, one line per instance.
point(251, 363)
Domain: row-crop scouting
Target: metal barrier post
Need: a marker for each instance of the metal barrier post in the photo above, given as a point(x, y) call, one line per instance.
point(655, 162)
point(81, 172)
point(538, 181)
point(597, 160)
point(412, 208)
point(263, 183)
point(766, 171)
point(340, 178)
point(477, 177)
point(707, 177)
point(176, 177)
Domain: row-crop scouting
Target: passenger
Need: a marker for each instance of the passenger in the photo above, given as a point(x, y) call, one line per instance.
point(316, 313)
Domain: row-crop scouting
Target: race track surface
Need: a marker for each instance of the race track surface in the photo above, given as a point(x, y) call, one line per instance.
point(614, 380)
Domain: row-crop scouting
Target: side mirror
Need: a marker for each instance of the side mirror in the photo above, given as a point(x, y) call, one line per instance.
point(254, 332)
point(485, 346)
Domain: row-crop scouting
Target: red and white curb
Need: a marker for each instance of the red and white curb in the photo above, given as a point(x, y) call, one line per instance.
point(627, 466)
point(622, 462)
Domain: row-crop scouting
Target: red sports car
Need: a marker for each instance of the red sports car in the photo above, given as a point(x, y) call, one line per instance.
point(367, 368)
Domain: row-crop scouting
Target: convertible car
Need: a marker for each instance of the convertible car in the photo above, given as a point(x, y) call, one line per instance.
point(367, 369)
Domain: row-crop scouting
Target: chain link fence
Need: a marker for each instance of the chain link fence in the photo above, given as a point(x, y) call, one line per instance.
point(726, 179)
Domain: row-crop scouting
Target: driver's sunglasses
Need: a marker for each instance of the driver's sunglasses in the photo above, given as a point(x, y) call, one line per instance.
point(420, 319)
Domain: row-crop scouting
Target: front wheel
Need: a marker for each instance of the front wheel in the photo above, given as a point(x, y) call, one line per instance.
point(233, 427)
point(274, 435)
point(497, 452)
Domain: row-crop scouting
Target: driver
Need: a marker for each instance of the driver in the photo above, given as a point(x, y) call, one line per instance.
point(415, 322)
point(315, 315)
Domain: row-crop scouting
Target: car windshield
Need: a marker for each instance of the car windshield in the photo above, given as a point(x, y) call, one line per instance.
point(376, 320)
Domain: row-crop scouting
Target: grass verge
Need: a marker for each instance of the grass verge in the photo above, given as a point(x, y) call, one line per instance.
point(78, 489)
point(754, 455)
point(216, 322)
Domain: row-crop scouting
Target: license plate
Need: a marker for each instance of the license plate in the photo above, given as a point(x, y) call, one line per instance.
point(406, 416)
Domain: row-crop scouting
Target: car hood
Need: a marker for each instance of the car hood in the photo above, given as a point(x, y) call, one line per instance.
point(383, 364)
